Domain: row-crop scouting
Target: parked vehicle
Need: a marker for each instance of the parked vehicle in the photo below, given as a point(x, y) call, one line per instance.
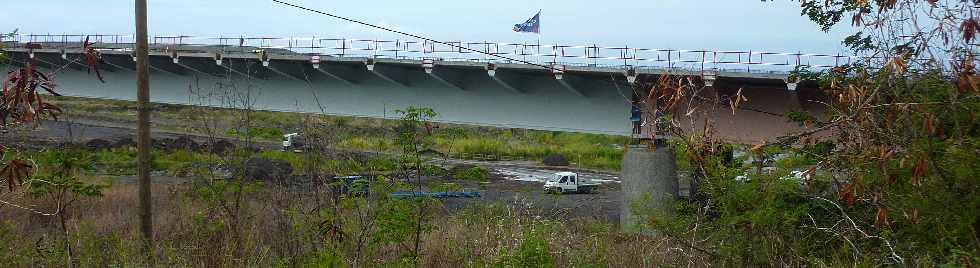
point(352, 185)
point(569, 182)
point(293, 142)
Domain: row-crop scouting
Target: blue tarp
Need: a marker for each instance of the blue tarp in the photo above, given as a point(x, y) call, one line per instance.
point(405, 194)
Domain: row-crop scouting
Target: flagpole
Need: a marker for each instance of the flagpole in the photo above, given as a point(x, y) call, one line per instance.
point(538, 54)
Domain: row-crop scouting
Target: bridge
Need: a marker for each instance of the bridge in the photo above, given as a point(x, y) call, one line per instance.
point(578, 88)
point(557, 87)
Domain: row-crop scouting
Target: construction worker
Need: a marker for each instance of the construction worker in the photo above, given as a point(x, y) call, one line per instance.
point(636, 116)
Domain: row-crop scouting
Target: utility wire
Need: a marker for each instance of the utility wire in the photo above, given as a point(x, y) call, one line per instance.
point(411, 35)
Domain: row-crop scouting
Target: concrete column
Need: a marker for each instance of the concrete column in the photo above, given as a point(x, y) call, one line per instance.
point(649, 185)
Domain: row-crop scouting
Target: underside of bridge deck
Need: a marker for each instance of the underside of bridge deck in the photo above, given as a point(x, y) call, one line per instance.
point(503, 95)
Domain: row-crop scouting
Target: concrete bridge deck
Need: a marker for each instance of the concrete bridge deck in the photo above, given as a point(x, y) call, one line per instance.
point(576, 96)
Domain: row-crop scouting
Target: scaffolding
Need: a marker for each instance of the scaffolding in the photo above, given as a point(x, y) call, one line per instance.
point(625, 57)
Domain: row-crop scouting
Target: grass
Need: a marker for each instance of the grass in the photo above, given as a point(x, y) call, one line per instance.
point(277, 233)
point(583, 150)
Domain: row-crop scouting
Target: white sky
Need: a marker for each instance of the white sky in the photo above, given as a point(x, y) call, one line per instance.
point(677, 24)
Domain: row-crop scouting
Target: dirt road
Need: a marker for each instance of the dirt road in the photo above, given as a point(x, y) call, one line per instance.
point(515, 182)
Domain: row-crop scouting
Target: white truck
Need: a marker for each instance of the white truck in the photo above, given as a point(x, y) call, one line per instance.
point(292, 142)
point(569, 182)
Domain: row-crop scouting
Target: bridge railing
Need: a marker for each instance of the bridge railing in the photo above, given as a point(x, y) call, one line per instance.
point(490, 52)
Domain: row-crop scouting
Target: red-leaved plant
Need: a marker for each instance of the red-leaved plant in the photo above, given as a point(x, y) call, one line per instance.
point(21, 102)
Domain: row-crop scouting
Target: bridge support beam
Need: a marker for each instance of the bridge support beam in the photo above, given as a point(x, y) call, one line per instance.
point(166, 65)
point(197, 67)
point(56, 61)
point(282, 69)
point(229, 65)
point(508, 81)
point(569, 82)
point(631, 75)
point(444, 76)
point(337, 72)
point(387, 73)
point(16, 60)
point(119, 62)
point(794, 98)
point(649, 183)
point(40, 61)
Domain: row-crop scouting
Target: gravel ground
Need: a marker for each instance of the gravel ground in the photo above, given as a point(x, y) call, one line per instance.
point(511, 182)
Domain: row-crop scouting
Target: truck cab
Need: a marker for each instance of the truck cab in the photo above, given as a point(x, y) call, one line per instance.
point(569, 182)
point(292, 142)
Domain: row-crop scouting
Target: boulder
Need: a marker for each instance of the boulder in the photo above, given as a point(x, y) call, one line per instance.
point(98, 144)
point(124, 142)
point(220, 146)
point(555, 160)
point(185, 143)
point(162, 144)
point(265, 169)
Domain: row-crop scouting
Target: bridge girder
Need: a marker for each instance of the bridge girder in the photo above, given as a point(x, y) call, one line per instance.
point(342, 72)
point(119, 62)
point(166, 65)
point(201, 66)
point(511, 81)
point(572, 83)
point(448, 77)
point(389, 72)
point(288, 70)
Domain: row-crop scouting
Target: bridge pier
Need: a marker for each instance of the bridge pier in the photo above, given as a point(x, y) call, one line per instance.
point(649, 185)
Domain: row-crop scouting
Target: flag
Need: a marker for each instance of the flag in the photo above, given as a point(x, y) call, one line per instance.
point(532, 25)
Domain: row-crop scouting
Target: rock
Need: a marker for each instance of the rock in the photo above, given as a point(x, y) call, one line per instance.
point(555, 160)
point(185, 143)
point(162, 144)
point(220, 146)
point(253, 149)
point(266, 169)
point(124, 142)
point(359, 157)
point(62, 146)
point(98, 144)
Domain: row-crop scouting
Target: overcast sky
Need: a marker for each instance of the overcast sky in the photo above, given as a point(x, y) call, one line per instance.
point(677, 24)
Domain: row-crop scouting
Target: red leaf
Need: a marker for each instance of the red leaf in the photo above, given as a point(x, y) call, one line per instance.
point(92, 57)
point(881, 217)
point(919, 170)
point(970, 28)
point(14, 172)
point(848, 194)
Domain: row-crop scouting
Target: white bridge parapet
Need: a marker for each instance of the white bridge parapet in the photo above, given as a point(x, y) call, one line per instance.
point(621, 57)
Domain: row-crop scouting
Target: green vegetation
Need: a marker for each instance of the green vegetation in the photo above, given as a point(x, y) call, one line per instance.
point(897, 186)
point(261, 133)
point(583, 150)
point(474, 173)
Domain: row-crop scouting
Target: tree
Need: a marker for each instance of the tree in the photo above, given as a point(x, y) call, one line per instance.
point(63, 184)
point(888, 175)
point(21, 103)
point(415, 138)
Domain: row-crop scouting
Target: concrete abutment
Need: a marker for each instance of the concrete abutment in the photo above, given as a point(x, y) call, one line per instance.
point(649, 185)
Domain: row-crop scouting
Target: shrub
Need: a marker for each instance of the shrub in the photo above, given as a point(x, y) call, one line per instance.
point(555, 160)
point(533, 252)
point(472, 173)
point(262, 133)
